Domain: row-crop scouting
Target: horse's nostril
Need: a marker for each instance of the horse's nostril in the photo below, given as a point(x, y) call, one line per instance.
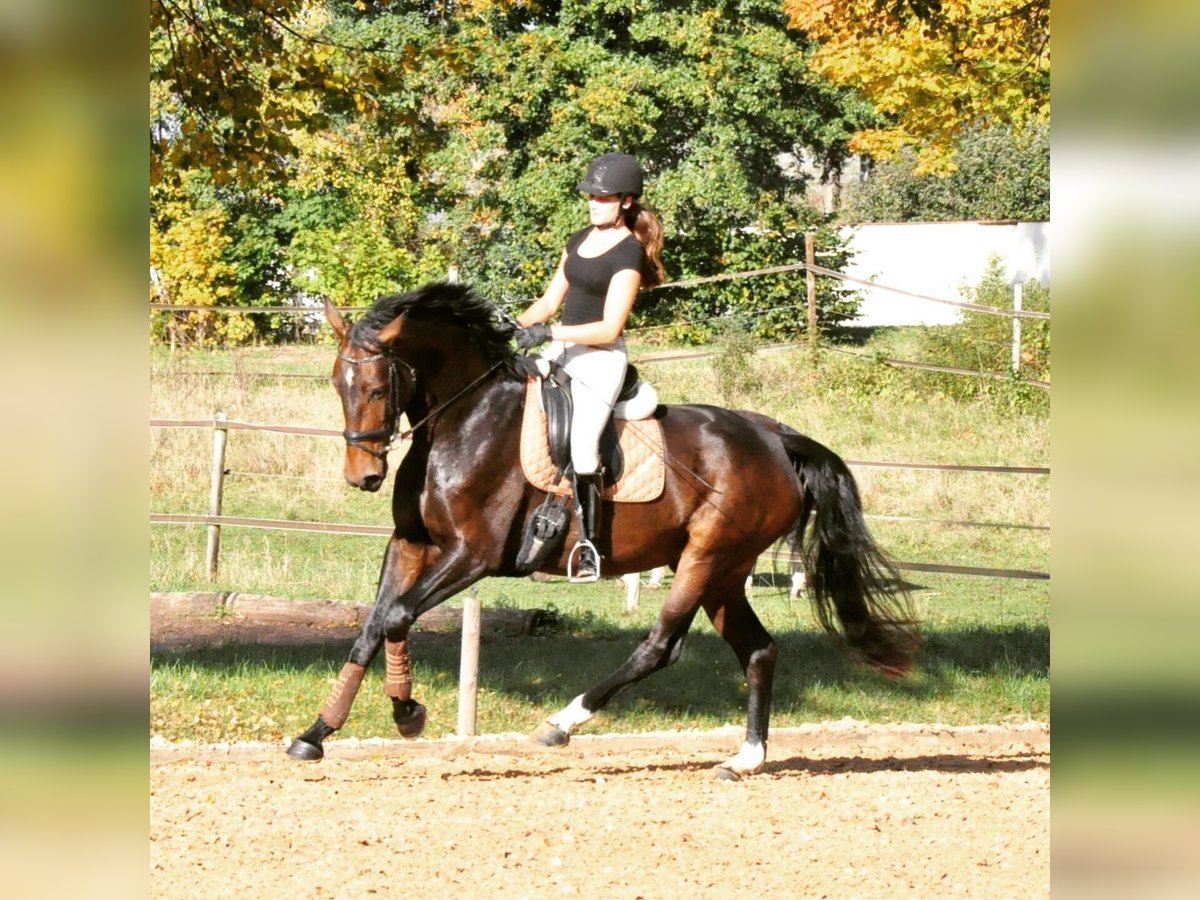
point(371, 482)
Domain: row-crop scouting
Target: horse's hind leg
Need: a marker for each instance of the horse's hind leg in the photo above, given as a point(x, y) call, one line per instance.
point(658, 649)
point(736, 622)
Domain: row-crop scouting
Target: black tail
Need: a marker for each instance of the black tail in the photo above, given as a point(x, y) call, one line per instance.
point(849, 577)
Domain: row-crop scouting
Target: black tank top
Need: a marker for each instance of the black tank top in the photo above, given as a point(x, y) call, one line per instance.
point(588, 277)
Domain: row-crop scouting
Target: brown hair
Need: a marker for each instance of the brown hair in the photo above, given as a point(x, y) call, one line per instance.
point(649, 231)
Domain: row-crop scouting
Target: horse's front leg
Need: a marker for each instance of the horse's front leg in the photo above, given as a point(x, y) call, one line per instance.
point(444, 574)
point(402, 564)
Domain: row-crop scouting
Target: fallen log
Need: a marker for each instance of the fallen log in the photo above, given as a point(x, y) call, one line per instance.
point(330, 613)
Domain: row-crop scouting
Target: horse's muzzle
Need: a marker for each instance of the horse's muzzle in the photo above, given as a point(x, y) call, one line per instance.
point(370, 483)
point(364, 470)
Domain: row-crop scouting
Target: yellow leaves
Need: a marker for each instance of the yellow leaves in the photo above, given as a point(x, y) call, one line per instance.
point(809, 15)
point(186, 246)
point(974, 60)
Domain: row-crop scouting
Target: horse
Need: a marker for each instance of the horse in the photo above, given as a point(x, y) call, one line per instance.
point(737, 482)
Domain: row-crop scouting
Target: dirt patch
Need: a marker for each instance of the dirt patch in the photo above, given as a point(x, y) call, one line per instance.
point(841, 809)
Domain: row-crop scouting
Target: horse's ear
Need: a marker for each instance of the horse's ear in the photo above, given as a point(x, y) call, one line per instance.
point(391, 330)
point(335, 319)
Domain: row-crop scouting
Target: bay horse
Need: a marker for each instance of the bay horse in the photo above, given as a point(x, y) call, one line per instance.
point(737, 482)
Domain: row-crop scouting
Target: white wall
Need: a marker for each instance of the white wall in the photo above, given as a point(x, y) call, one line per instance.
point(937, 259)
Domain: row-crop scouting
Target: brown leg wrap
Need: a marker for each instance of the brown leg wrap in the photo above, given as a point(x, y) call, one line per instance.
point(397, 682)
point(336, 708)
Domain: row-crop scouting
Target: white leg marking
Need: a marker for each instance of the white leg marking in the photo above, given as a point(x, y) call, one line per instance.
point(633, 587)
point(570, 716)
point(749, 759)
point(656, 576)
point(798, 584)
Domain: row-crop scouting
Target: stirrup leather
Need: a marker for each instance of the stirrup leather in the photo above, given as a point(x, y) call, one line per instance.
point(576, 556)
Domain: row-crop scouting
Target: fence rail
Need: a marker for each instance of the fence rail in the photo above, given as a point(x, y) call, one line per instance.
point(683, 283)
point(811, 270)
point(234, 425)
point(384, 530)
point(214, 520)
point(220, 426)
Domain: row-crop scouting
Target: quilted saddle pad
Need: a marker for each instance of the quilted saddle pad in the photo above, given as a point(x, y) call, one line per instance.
point(641, 443)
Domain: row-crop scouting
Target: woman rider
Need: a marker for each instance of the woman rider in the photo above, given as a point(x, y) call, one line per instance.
point(598, 277)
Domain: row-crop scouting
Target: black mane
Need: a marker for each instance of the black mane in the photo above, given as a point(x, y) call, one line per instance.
point(443, 302)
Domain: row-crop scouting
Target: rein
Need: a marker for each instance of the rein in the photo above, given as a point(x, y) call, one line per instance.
point(387, 431)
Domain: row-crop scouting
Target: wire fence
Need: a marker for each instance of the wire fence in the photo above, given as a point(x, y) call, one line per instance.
point(684, 283)
point(813, 269)
point(214, 520)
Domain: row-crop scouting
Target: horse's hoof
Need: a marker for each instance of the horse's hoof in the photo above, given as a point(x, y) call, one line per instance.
point(410, 722)
point(724, 774)
point(301, 749)
point(551, 736)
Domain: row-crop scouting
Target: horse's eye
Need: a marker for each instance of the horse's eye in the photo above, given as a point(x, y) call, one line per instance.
point(377, 393)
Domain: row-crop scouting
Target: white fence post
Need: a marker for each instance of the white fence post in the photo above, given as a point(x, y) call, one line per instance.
point(811, 283)
point(216, 489)
point(468, 669)
point(1016, 331)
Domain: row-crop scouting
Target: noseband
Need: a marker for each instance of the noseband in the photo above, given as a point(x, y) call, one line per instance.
point(387, 431)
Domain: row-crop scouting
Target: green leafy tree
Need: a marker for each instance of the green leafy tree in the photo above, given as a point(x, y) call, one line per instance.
point(984, 343)
point(466, 145)
point(708, 96)
point(1001, 174)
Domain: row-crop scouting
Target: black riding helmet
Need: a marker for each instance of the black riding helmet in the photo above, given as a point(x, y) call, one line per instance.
point(613, 173)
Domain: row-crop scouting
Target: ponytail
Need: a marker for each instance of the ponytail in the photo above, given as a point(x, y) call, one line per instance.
point(649, 231)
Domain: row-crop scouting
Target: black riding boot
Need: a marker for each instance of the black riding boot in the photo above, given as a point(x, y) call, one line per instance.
point(583, 565)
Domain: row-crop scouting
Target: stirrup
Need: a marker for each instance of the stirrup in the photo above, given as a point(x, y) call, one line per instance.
point(577, 550)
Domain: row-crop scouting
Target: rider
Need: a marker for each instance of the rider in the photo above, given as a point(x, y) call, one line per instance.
point(598, 277)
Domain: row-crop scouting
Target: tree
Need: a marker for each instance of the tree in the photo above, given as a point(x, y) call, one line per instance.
point(932, 67)
point(708, 95)
point(467, 146)
point(187, 258)
point(1001, 174)
point(233, 82)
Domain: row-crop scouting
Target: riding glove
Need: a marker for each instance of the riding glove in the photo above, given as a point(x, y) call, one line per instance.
point(526, 365)
point(533, 335)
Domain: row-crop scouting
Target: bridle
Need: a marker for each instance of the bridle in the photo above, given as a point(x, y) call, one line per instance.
point(391, 419)
point(387, 431)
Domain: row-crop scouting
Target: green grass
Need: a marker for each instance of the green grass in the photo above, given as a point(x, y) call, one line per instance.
point(986, 657)
point(969, 671)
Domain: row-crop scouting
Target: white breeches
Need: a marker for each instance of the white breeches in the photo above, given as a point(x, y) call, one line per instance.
point(597, 374)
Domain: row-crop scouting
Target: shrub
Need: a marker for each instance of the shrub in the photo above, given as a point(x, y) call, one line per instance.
point(984, 342)
point(1001, 174)
point(734, 361)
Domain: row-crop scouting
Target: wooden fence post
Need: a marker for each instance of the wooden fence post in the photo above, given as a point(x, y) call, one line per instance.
point(452, 275)
point(811, 278)
point(1016, 329)
point(216, 489)
point(468, 669)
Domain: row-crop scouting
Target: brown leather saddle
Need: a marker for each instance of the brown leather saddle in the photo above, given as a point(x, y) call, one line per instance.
point(556, 402)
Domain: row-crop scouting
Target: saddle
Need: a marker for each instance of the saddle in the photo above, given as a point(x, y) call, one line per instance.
point(631, 450)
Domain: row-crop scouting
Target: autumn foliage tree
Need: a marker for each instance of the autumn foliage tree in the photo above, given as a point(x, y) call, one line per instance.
point(376, 143)
point(235, 83)
point(932, 67)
